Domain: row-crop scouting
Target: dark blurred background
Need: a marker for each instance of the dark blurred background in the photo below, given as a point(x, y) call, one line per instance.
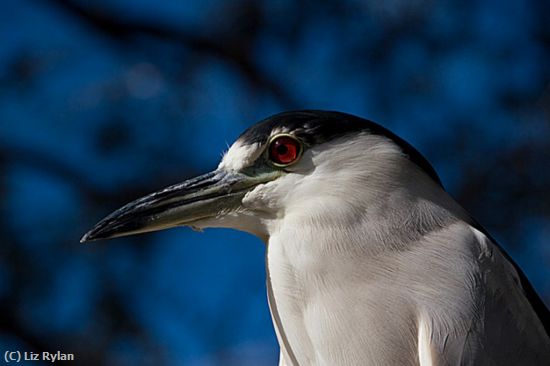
point(104, 101)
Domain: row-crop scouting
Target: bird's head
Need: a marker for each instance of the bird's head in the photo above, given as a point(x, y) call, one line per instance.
point(293, 163)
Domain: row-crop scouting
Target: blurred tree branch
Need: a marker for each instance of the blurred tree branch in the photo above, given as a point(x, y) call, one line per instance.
point(235, 52)
point(41, 161)
point(503, 191)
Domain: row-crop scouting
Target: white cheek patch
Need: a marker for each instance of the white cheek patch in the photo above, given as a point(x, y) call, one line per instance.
point(239, 156)
point(261, 197)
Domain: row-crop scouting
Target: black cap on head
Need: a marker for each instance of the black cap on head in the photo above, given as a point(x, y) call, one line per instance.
point(315, 127)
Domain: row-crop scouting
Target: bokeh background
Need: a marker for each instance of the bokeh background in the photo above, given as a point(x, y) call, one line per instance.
point(104, 101)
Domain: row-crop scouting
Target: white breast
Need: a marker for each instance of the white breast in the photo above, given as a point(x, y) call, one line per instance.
point(328, 310)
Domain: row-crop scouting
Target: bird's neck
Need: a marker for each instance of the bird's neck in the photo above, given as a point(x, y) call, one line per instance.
point(316, 252)
point(366, 218)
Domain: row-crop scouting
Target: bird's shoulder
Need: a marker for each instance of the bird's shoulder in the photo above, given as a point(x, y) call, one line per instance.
point(507, 279)
point(501, 323)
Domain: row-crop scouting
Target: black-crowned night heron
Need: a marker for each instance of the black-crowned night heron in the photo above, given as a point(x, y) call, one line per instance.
point(369, 261)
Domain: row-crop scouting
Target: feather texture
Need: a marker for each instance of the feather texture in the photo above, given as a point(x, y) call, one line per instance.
point(366, 272)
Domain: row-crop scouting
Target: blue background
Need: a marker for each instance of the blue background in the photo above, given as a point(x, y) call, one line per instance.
point(104, 101)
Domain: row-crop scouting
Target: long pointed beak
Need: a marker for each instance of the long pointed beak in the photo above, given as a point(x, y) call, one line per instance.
point(206, 196)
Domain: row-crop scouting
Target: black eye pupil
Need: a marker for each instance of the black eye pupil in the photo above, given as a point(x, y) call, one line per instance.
point(282, 149)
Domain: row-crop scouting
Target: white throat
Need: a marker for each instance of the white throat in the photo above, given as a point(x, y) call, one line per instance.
point(335, 226)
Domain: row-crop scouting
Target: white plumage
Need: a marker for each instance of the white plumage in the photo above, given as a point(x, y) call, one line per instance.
point(369, 261)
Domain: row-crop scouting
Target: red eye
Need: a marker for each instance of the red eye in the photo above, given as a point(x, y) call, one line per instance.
point(284, 150)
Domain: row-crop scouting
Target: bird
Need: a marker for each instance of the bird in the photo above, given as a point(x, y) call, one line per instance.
point(369, 260)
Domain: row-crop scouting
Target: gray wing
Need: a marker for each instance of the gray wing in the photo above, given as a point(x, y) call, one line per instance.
point(507, 323)
point(529, 292)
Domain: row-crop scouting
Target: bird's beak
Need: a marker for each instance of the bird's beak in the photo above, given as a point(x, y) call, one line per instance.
point(206, 196)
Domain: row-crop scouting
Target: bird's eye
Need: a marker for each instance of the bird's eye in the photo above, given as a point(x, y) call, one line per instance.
point(284, 150)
